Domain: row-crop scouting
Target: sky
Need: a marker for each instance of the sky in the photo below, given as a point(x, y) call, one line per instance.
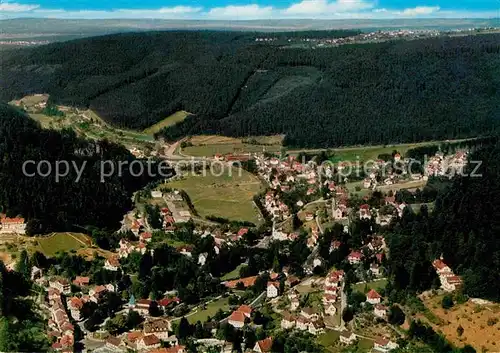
point(250, 9)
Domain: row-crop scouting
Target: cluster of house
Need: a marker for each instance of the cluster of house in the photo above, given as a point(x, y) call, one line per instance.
point(59, 324)
point(275, 207)
point(449, 281)
point(307, 320)
point(221, 237)
point(381, 344)
point(366, 212)
point(376, 246)
point(126, 247)
point(154, 332)
point(332, 291)
point(439, 164)
point(14, 225)
point(283, 174)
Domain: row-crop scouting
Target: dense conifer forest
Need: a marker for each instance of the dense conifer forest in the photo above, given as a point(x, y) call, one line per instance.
point(71, 202)
point(399, 91)
point(463, 228)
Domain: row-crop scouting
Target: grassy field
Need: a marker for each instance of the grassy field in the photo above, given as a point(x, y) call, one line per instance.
point(207, 146)
point(234, 274)
point(63, 242)
point(481, 324)
point(360, 287)
point(211, 310)
point(329, 339)
point(171, 120)
point(225, 196)
point(236, 148)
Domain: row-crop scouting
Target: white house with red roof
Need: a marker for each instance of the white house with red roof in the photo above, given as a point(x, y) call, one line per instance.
point(112, 263)
point(145, 237)
point(148, 342)
point(383, 345)
point(354, 257)
point(246, 310)
point(237, 319)
point(373, 297)
point(264, 346)
point(441, 267)
point(364, 212)
point(12, 225)
point(273, 289)
point(380, 311)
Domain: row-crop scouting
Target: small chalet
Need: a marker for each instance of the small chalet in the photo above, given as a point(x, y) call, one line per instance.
point(347, 337)
point(237, 319)
point(246, 310)
point(81, 281)
point(354, 257)
point(273, 289)
point(148, 342)
point(380, 311)
point(112, 264)
point(373, 297)
point(264, 346)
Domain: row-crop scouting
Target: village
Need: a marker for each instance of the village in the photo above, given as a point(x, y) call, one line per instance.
point(308, 302)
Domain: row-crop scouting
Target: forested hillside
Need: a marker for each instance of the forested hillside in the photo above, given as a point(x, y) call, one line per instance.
point(390, 92)
point(463, 228)
point(70, 202)
point(22, 329)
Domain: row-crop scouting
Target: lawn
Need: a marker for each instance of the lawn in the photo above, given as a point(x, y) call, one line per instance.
point(360, 287)
point(168, 121)
point(234, 274)
point(329, 339)
point(210, 145)
point(211, 310)
point(236, 148)
point(227, 196)
point(64, 242)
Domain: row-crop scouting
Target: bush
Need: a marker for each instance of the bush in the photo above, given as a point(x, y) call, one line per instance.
point(396, 316)
point(492, 321)
point(447, 302)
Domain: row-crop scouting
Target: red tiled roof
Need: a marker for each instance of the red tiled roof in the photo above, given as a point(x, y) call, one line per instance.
point(247, 282)
point(355, 255)
point(167, 301)
point(245, 309)
point(16, 220)
point(134, 336)
point(372, 294)
point(242, 232)
point(81, 280)
point(439, 264)
point(265, 345)
point(150, 340)
point(76, 303)
point(237, 316)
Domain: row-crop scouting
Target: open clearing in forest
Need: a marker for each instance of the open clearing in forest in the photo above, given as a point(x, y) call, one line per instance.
point(171, 120)
point(225, 196)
